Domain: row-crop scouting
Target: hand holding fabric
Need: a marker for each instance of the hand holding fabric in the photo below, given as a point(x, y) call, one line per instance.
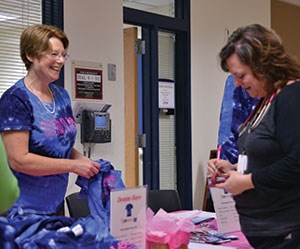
point(86, 168)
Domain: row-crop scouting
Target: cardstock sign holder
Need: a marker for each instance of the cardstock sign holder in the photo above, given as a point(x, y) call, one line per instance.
point(128, 215)
point(227, 216)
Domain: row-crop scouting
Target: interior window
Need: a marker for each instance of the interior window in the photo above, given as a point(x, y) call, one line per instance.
point(162, 7)
point(15, 16)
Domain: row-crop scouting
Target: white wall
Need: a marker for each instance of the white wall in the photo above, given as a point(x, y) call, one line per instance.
point(95, 31)
point(209, 19)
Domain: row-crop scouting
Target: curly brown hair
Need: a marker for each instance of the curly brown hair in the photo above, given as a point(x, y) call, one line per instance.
point(261, 49)
point(35, 41)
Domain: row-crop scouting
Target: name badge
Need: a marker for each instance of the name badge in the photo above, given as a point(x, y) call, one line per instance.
point(242, 164)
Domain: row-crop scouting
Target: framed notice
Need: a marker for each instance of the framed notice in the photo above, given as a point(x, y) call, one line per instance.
point(88, 80)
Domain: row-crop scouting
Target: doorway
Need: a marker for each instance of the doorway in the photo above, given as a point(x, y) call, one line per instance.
point(165, 102)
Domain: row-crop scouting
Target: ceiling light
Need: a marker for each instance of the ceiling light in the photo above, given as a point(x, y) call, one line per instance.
point(4, 17)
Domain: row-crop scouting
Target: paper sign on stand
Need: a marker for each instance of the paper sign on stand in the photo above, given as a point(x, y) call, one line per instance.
point(227, 216)
point(128, 215)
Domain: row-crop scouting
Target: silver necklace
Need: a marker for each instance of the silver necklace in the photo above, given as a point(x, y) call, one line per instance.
point(53, 110)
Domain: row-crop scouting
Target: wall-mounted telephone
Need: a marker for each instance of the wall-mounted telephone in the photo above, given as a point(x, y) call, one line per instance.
point(95, 127)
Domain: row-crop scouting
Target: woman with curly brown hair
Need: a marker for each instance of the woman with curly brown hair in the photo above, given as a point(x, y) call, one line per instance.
point(265, 182)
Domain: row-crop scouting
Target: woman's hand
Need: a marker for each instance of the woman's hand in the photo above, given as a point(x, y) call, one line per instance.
point(236, 183)
point(222, 166)
point(20, 159)
point(86, 168)
point(83, 165)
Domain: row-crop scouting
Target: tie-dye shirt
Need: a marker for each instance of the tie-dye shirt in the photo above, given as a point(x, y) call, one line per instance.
point(51, 134)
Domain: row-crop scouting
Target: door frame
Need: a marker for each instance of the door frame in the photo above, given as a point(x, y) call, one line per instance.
point(180, 25)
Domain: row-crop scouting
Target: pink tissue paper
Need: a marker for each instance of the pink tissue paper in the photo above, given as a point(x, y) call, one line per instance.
point(167, 230)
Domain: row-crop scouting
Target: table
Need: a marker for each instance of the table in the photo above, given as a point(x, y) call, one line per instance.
point(241, 243)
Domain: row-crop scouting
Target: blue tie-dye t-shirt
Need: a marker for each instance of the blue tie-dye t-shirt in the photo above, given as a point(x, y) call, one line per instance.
point(51, 134)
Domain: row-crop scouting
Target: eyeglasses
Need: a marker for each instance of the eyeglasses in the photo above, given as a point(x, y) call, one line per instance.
point(56, 55)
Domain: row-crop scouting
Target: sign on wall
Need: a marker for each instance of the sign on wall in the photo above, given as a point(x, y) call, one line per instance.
point(88, 80)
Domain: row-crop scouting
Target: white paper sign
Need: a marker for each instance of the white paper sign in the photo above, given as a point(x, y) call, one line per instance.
point(128, 215)
point(166, 95)
point(227, 216)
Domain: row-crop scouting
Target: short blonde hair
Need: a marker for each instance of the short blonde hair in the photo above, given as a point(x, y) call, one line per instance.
point(35, 41)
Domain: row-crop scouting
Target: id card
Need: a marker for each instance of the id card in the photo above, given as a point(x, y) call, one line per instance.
point(242, 163)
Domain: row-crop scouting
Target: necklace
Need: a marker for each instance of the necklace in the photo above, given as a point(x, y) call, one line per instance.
point(46, 108)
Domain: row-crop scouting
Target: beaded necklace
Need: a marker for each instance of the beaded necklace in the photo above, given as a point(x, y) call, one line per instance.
point(53, 100)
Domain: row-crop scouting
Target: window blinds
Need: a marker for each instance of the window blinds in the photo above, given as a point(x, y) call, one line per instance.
point(15, 16)
point(166, 54)
point(167, 151)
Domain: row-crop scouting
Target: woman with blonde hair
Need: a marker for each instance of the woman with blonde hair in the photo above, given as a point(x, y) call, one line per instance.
point(38, 127)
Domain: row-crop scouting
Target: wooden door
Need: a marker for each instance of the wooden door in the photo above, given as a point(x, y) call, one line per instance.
point(131, 107)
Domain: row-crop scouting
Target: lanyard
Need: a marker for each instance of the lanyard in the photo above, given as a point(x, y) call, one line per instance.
point(266, 104)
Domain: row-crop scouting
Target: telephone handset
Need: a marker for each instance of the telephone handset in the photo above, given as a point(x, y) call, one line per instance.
point(95, 127)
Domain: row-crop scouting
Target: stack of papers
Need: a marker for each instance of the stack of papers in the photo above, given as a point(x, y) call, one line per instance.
point(206, 246)
point(197, 213)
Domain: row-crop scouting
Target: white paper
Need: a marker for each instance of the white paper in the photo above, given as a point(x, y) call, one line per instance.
point(166, 95)
point(192, 245)
point(128, 215)
point(227, 216)
point(198, 213)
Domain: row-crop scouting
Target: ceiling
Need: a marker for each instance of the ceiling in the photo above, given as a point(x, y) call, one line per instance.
point(293, 2)
point(144, 4)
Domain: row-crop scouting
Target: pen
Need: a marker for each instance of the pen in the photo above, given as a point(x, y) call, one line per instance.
point(219, 153)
